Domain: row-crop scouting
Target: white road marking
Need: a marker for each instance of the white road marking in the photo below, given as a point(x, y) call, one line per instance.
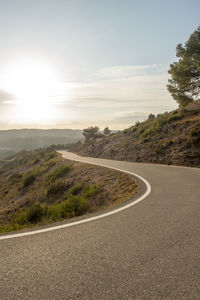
point(148, 191)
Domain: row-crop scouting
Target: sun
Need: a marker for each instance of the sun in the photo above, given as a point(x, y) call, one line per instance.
point(32, 83)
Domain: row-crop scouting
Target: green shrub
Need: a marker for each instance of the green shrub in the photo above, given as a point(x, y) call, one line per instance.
point(76, 189)
point(56, 188)
point(91, 191)
point(75, 205)
point(32, 214)
point(21, 218)
point(9, 228)
point(28, 179)
point(59, 172)
point(177, 116)
point(36, 161)
point(54, 212)
point(51, 155)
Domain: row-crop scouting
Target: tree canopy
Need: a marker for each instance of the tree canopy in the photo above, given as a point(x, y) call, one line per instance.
point(106, 131)
point(91, 133)
point(184, 84)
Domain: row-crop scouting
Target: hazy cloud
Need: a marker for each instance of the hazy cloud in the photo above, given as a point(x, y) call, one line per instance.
point(131, 116)
point(6, 97)
point(114, 96)
point(122, 72)
point(118, 96)
point(138, 91)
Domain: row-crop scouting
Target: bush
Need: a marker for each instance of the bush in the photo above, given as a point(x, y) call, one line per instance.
point(35, 213)
point(51, 155)
point(36, 161)
point(76, 189)
point(75, 205)
point(59, 172)
point(32, 214)
point(54, 212)
point(151, 117)
point(21, 218)
point(56, 188)
point(28, 179)
point(91, 191)
point(177, 116)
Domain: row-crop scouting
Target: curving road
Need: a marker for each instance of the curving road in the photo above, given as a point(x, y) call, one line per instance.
point(148, 251)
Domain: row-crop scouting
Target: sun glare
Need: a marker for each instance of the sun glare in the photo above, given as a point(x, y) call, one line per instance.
point(33, 84)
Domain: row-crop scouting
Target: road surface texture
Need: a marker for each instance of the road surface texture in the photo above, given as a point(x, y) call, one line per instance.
point(148, 251)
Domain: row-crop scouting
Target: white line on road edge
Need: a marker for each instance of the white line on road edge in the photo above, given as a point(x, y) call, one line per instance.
point(148, 191)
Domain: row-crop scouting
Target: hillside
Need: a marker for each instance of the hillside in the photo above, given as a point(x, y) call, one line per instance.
point(29, 139)
point(40, 187)
point(169, 138)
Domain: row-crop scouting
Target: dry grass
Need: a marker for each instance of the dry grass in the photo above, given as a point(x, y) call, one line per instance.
point(170, 138)
point(53, 181)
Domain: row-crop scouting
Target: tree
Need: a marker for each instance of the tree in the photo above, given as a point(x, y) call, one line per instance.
point(151, 117)
point(91, 133)
point(106, 131)
point(184, 84)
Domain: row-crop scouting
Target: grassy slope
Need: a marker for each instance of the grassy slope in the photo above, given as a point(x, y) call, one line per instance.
point(40, 187)
point(170, 138)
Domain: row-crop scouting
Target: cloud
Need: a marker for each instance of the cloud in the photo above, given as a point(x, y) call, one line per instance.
point(140, 91)
point(120, 86)
point(119, 96)
point(130, 116)
point(115, 96)
point(123, 72)
point(6, 97)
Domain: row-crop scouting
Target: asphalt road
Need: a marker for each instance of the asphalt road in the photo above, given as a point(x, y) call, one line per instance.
point(148, 251)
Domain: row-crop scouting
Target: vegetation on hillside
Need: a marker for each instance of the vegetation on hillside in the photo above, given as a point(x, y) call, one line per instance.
point(169, 138)
point(40, 187)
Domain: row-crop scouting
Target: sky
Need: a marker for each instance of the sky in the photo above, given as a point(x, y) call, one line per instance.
point(80, 63)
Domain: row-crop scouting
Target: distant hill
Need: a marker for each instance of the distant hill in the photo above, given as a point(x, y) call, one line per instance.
point(29, 139)
point(169, 138)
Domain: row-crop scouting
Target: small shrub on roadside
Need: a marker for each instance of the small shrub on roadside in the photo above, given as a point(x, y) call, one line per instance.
point(75, 205)
point(32, 214)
